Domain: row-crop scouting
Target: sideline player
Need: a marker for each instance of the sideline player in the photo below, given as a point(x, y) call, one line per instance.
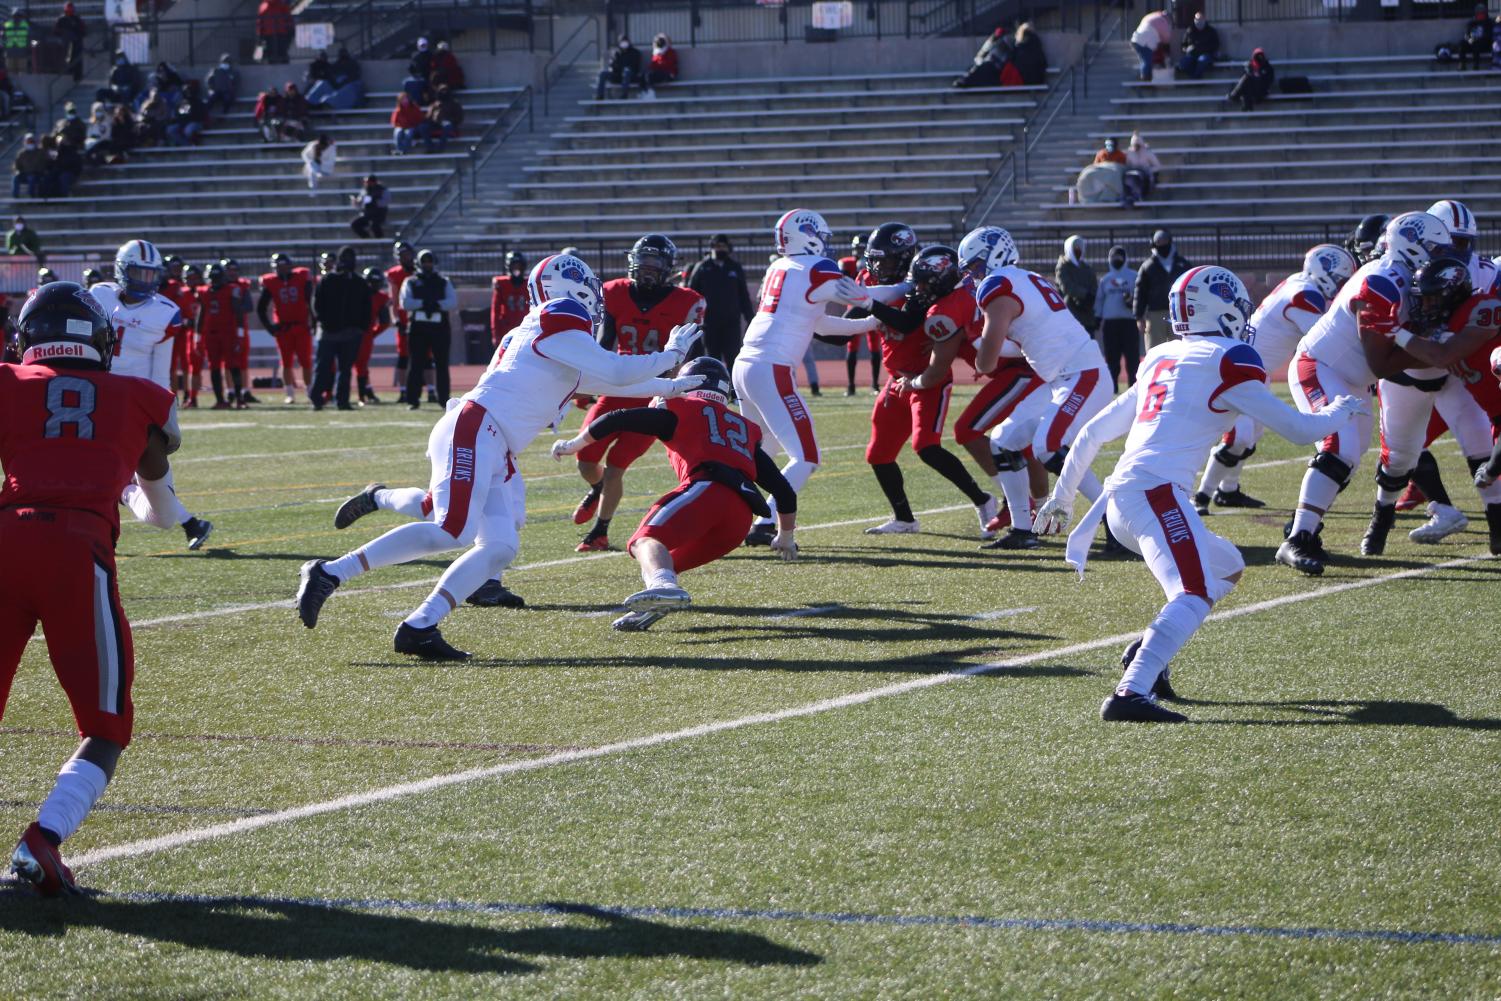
point(176, 287)
point(1282, 320)
point(289, 290)
point(1187, 394)
point(72, 435)
point(145, 324)
point(717, 456)
point(396, 275)
point(243, 308)
point(641, 309)
point(794, 293)
point(222, 334)
point(380, 319)
point(508, 297)
point(473, 447)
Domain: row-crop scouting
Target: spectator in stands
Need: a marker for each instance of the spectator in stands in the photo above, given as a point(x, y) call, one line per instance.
point(371, 201)
point(1256, 82)
point(405, 118)
point(28, 168)
point(167, 81)
point(990, 62)
point(123, 84)
point(1154, 279)
point(65, 163)
point(429, 300)
point(22, 239)
point(441, 121)
point(341, 309)
point(190, 118)
point(1109, 152)
point(664, 62)
point(1201, 45)
point(122, 134)
point(1151, 40)
point(70, 30)
point(319, 159)
point(273, 26)
point(446, 71)
point(1112, 306)
point(421, 63)
point(70, 127)
point(1479, 35)
point(267, 112)
point(151, 120)
point(1076, 280)
point(1028, 56)
point(623, 68)
point(98, 138)
point(292, 121)
point(17, 30)
point(720, 279)
point(222, 83)
point(320, 70)
point(339, 87)
point(1139, 157)
point(416, 88)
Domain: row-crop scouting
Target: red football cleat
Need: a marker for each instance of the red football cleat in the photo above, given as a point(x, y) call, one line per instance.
point(38, 862)
point(587, 506)
point(1000, 522)
point(594, 544)
point(1411, 498)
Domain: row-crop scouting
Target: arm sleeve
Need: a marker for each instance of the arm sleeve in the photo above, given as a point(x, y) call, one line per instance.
point(658, 422)
point(841, 326)
point(770, 479)
point(602, 371)
point(1109, 424)
point(1256, 401)
point(607, 333)
point(263, 308)
point(903, 321)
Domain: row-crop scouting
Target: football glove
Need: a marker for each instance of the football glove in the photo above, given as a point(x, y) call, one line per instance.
point(1351, 406)
point(682, 339)
point(851, 293)
point(783, 545)
point(1053, 517)
point(687, 384)
point(1483, 478)
point(567, 446)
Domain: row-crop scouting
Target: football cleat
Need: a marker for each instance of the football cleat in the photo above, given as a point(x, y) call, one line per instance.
point(1234, 498)
point(658, 599)
point(1443, 521)
point(999, 523)
point(37, 861)
point(289, 399)
point(197, 531)
point(428, 644)
point(593, 544)
point(493, 594)
point(358, 506)
point(1493, 522)
point(761, 534)
point(893, 527)
point(988, 512)
point(1303, 553)
point(1411, 497)
point(1015, 538)
point(317, 586)
point(587, 506)
point(1383, 516)
point(1163, 689)
point(432, 397)
point(1201, 502)
point(637, 622)
point(1132, 707)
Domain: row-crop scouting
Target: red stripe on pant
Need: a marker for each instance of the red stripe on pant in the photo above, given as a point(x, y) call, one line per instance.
point(1069, 412)
point(1178, 531)
point(460, 485)
point(787, 390)
point(1313, 392)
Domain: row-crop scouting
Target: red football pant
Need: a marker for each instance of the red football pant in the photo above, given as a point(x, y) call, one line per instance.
point(919, 414)
point(294, 342)
point(225, 348)
point(624, 447)
point(362, 360)
point(78, 605)
point(995, 401)
point(698, 522)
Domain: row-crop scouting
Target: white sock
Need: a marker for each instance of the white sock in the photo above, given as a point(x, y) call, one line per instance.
point(1014, 484)
point(1318, 491)
point(1435, 509)
point(402, 500)
point(401, 544)
point(1385, 496)
point(462, 578)
point(1174, 625)
point(1214, 476)
point(135, 498)
point(662, 578)
point(79, 784)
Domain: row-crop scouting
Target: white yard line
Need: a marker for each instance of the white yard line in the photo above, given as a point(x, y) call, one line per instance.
point(1001, 613)
point(182, 839)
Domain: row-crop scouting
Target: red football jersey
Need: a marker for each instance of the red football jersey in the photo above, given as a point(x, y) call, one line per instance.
point(378, 301)
point(952, 316)
point(184, 296)
point(72, 438)
point(639, 332)
point(218, 307)
point(709, 431)
point(396, 275)
point(508, 305)
point(289, 295)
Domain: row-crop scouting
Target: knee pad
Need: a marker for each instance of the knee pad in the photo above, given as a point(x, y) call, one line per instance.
point(1225, 457)
point(1332, 466)
point(1008, 461)
point(1054, 463)
point(1388, 480)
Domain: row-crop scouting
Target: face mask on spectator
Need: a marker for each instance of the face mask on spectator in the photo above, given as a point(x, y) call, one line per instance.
point(20, 226)
point(1117, 260)
point(625, 43)
point(1162, 249)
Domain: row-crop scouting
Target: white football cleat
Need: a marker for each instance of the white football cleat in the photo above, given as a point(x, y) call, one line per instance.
point(893, 527)
point(658, 599)
point(1443, 521)
point(637, 622)
point(986, 513)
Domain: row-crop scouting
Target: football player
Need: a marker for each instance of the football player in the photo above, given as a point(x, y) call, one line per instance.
point(243, 307)
point(717, 456)
point(380, 319)
point(72, 435)
point(473, 446)
point(1364, 244)
point(795, 292)
point(396, 275)
point(180, 291)
point(289, 289)
point(1274, 330)
point(1187, 394)
point(1488, 474)
point(641, 309)
point(1350, 347)
point(145, 324)
point(220, 329)
point(508, 297)
point(92, 277)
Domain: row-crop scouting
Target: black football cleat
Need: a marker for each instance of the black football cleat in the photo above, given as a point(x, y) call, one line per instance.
point(1382, 519)
point(1201, 502)
point(1163, 689)
point(1015, 538)
point(197, 530)
point(1134, 708)
point(316, 587)
point(358, 506)
point(1493, 521)
point(428, 644)
point(1235, 498)
point(761, 534)
point(494, 594)
point(1301, 551)
point(1129, 654)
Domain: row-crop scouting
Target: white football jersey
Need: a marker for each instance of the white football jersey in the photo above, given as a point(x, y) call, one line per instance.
point(1046, 333)
point(1381, 288)
point(143, 333)
point(1179, 415)
point(1284, 316)
point(783, 325)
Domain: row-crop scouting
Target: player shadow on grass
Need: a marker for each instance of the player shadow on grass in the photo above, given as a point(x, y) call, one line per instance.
point(1354, 712)
point(297, 931)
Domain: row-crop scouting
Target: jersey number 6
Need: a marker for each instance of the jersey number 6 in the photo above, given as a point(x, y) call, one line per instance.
point(1156, 392)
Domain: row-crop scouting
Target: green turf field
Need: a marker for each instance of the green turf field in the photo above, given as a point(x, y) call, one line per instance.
point(793, 790)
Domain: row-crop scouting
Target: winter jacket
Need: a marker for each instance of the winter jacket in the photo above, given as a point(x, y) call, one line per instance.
point(1076, 281)
point(1112, 299)
point(1203, 41)
point(1154, 280)
point(726, 297)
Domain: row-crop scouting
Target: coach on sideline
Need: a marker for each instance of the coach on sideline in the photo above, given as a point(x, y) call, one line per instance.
point(341, 308)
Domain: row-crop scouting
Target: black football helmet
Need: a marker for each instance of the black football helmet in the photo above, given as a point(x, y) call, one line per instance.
point(374, 278)
point(45, 276)
point(280, 260)
point(934, 273)
point(1362, 243)
point(92, 277)
point(404, 252)
point(516, 263)
point(61, 321)
point(713, 369)
point(1438, 289)
point(889, 250)
point(857, 245)
point(216, 274)
point(173, 265)
point(327, 263)
point(650, 262)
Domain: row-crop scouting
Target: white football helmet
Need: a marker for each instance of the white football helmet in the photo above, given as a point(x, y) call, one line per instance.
point(563, 276)
point(1412, 238)
point(1329, 267)
point(803, 231)
point(138, 267)
point(985, 249)
point(1209, 300)
point(1461, 223)
point(1496, 363)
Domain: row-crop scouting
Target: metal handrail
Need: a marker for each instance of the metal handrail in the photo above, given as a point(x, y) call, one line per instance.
point(548, 79)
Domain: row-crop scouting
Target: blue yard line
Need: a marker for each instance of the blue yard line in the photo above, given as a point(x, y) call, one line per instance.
point(1396, 935)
